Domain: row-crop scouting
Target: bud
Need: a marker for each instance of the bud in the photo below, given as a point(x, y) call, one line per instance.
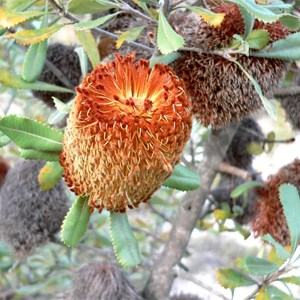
point(30, 217)
point(127, 129)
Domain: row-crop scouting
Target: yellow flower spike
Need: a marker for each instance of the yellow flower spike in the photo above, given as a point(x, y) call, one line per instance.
point(127, 129)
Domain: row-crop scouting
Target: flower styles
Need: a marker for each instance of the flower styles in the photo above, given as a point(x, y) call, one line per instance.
point(126, 131)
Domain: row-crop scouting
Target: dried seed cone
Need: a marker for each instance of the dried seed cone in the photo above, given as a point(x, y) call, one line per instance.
point(102, 281)
point(268, 212)
point(30, 217)
point(221, 93)
point(127, 130)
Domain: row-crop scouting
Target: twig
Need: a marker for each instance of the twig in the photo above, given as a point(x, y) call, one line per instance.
point(229, 169)
point(155, 211)
point(190, 277)
point(134, 228)
point(162, 275)
point(127, 8)
point(292, 90)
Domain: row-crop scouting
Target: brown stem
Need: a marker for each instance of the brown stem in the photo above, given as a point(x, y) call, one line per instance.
point(292, 90)
point(229, 169)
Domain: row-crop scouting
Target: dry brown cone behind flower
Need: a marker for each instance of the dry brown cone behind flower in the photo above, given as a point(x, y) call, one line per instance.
point(268, 212)
point(221, 92)
point(127, 130)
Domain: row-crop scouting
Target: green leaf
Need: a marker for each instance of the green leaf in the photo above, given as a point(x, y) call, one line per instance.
point(39, 155)
point(49, 175)
point(89, 6)
point(290, 201)
point(76, 222)
point(248, 20)
point(231, 279)
point(34, 61)
point(130, 35)
point(288, 49)
point(18, 5)
point(30, 134)
point(270, 108)
point(89, 45)
point(143, 6)
point(86, 25)
point(254, 148)
point(255, 266)
point(61, 106)
point(12, 18)
point(258, 39)
point(183, 179)
point(124, 243)
point(281, 252)
point(4, 140)
point(16, 82)
point(270, 138)
point(242, 188)
point(291, 279)
point(29, 37)
point(167, 39)
point(291, 22)
point(164, 59)
point(83, 59)
point(272, 293)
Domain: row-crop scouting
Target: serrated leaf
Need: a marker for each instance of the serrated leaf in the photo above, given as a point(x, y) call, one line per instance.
point(49, 175)
point(4, 140)
point(30, 134)
point(289, 198)
point(281, 252)
point(270, 108)
point(274, 258)
point(89, 45)
point(231, 279)
point(39, 155)
point(86, 25)
point(129, 35)
point(11, 18)
point(242, 188)
point(89, 6)
point(18, 5)
point(248, 20)
point(34, 61)
point(258, 38)
point(167, 39)
point(16, 82)
point(61, 106)
point(287, 49)
point(29, 37)
point(124, 243)
point(76, 222)
point(272, 293)
point(255, 266)
point(143, 6)
point(183, 179)
point(164, 59)
point(291, 22)
point(211, 18)
point(291, 279)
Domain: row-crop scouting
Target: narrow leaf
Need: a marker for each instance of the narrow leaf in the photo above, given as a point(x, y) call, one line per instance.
point(30, 134)
point(86, 25)
point(256, 266)
point(124, 243)
point(290, 201)
point(164, 59)
point(272, 293)
point(76, 222)
point(208, 16)
point(29, 37)
point(89, 45)
point(34, 61)
point(258, 39)
point(167, 39)
point(231, 279)
point(248, 20)
point(288, 49)
point(89, 6)
point(291, 279)
point(11, 18)
point(129, 35)
point(4, 140)
point(16, 82)
point(242, 188)
point(39, 155)
point(281, 252)
point(49, 175)
point(61, 106)
point(183, 179)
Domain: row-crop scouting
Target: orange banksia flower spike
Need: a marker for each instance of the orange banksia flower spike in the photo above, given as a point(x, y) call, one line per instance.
point(127, 129)
point(268, 212)
point(220, 92)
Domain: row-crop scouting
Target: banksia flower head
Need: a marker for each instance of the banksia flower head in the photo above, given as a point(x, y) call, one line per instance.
point(126, 131)
point(221, 93)
point(102, 281)
point(66, 60)
point(291, 105)
point(30, 217)
point(268, 212)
